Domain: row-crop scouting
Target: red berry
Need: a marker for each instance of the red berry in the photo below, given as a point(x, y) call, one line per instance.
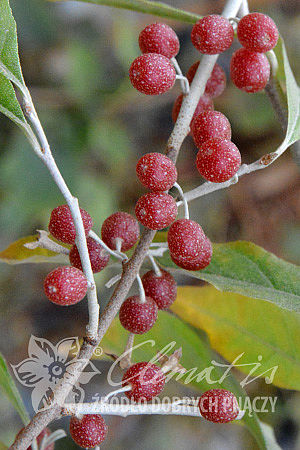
point(45, 432)
point(98, 256)
point(162, 289)
point(202, 261)
point(186, 240)
point(89, 431)
point(249, 71)
point(219, 406)
point(257, 32)
point(152, 74)
point(120, 225)
point(65, 285)
point(62, 227)
point(156, 171)
point(205, 104)
point(212, 34)
point(210, 124)
point(156, 210)
point(147, 381)
point(159, 38)
point(136, 316)
point(218, 160)
point(215, 84)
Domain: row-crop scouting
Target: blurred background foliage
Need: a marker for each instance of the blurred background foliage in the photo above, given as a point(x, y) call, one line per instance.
point(75, 59)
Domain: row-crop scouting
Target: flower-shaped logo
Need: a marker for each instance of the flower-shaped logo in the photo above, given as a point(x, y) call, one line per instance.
point(47, 365)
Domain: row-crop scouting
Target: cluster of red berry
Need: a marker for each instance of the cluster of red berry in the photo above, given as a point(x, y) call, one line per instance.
point(258, 34)
point(218, 160)
point(67, 285)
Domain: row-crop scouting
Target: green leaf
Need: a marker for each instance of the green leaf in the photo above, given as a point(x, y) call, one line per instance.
point(148, 7)
point(9, 388)
point(10, 68)
point(3, 447)
point(242, 327)
point(196, 353)
point(249, 270)
point(287, 80)
point(16, 253)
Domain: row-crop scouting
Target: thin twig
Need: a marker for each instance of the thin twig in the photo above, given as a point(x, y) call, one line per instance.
point(177, 408)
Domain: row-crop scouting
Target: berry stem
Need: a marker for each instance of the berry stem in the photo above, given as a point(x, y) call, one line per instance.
point(117, 391)
point(113, 281)
point(117, 254)
point(141, 289)
point(185, 86)
point(184, 201)
point(125, 361)
point(125, 410)
point(154, 265)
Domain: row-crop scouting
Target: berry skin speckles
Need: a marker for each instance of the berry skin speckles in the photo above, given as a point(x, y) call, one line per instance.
point(152, 74)
point(99, 257)
point(189, 247)
point(136, 316)
point(120, 226)
point(62, 227)
point(218, 406)
point(156, 210)
point(89, 431)
point(162, 289)
point(200, 262)
point(147, 381)
point(249, 71)
point(218, 160)
point(156, 172)
point(212, 34)
point(65, 286)
point(257, 32)
point(159, 38)
point(208, 125)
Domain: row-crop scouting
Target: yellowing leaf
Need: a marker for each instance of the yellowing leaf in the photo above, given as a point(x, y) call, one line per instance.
point(16, 253)
point(246, 327)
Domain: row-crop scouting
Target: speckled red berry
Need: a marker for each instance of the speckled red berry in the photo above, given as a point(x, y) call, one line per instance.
point(218, 406)
point(89, 431)
point(156, 210)
point(62, 227)
point(218, 160)
point(137, 316)
point(156, 171)
point(147, 381)
point(257, 32)
point(152, 74)
point(65, 285)
point(46, 432)
point(159, 38)
point(208, 125)
point(123, 226)
point(205, 104)
point(161, 288)
point(99, 257)
point(212, 34)
point(200, 262)
point(186, 239)
point(249, 71)
point(216, 82)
